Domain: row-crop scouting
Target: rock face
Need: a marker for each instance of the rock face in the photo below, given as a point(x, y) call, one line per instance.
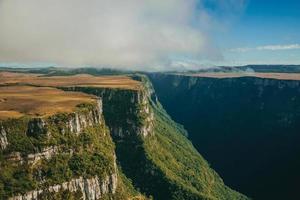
point(46, 153)
point(147, 126)
point(36, 126)
point(91, 189)
point(139, 116)
point(3, 138)
point(79, 122)
point(50, 136)
point(74, 122)
point(127, 112)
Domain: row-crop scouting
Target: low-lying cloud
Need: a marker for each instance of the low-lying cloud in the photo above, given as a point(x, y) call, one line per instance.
point(132, 34)
point(268, 47)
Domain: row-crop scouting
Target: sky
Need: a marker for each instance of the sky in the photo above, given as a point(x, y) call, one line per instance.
point(149, 34)
point(267, 32)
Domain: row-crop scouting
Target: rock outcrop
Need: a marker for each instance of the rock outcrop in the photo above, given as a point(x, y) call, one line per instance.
point(3, 138)
point(78, 122)
point(128, 112)
point(43, 140)
point(75, 122)
point(90, 189)
point(46, 153)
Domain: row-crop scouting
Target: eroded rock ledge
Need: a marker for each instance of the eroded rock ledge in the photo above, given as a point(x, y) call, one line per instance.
point(31, 144)
point(3, 138)
point(90, 189)
point(127, 112)
point(64, 123)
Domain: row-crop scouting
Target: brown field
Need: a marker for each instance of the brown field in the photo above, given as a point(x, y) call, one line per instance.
point(279, 76)
point(17, 101)
point(122, 82)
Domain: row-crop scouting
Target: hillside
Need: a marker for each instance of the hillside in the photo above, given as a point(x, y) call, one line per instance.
point(109, 147)
point(277, 76)
point(252, 68)
point(246, 126)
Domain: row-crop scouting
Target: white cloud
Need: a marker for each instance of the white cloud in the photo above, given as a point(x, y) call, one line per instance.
point(268, 47)
point(242, 49)
point(279, 47)
point(116, 33)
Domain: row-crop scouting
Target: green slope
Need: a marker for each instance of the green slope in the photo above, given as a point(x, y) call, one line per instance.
point(187, 173)
point(164, 164)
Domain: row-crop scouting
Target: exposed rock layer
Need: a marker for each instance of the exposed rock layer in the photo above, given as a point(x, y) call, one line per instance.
point(3, 138)
point(91, 189)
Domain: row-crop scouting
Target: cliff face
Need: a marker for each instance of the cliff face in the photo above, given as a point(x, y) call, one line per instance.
point(247, 128)
point(127, 112)
point(90, 189)
point(152, 150)
point(46, 158)
point(107, 150)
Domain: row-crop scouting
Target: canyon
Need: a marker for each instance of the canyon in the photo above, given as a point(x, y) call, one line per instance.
point(245, 124)
point(111, 139)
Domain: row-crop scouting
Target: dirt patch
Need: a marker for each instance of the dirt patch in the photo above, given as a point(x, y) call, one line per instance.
point(122, 82)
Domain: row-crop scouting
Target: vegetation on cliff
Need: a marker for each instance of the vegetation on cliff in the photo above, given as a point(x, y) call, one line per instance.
point(135, 140)
point(164, 164)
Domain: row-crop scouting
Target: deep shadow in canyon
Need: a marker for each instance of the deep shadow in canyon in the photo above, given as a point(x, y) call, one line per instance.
point(247, 128)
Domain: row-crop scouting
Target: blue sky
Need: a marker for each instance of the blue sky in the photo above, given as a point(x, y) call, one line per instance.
point(263, 23)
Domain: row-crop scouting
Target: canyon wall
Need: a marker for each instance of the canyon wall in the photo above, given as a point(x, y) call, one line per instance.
point(247, 128)
point(152, 150)
point(113, 149)
point(49, 157)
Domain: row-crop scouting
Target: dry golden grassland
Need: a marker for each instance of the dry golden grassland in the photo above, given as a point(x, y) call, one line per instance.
point(36, 95)
point(279, 76)
point(123, 82)
point(17, 101)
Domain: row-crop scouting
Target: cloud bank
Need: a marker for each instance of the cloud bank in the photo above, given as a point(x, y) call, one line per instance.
point(268, 47)
point(132, 34)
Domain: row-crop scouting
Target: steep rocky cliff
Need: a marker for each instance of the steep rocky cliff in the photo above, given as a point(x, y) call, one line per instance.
point(127, 112)
point(153, 151)
point(247, 128)
point(67, 155)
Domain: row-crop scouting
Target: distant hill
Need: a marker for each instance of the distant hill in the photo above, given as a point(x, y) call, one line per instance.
point(255, 68)
point(56, 71)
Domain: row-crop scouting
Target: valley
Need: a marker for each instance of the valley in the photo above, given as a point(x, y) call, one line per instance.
point(96, 137)
point(149, 100)
point(246, 125)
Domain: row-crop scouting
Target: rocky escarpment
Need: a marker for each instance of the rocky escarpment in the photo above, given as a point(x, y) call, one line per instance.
point(90, 189)
point(84, 155)
point(152, 150)
point(40, 148)
point(127, 112)
point(75, 122)
point(247, 128)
